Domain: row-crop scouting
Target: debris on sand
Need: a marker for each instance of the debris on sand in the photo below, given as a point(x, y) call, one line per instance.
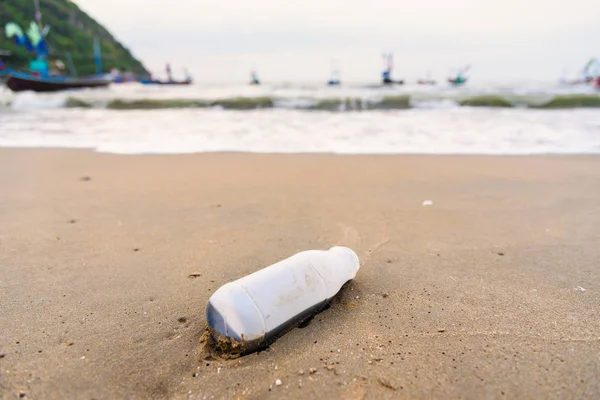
point(229, 316)
point(278, 382)
point(427, 203)
point(194, 275)
point(386, 383)
point(85, 178)
point(330, 368)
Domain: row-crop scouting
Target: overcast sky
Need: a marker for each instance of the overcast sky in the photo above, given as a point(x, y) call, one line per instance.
point(219, 40)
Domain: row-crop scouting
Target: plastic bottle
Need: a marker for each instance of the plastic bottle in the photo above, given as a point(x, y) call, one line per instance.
point(252, 311)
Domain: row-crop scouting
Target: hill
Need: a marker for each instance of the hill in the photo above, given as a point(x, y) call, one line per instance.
point(72, 31)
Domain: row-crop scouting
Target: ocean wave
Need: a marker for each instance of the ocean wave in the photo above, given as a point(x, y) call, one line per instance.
point(32, 101)
point(486, 101)
point(572, 101)
point(237, 103)
point(149, 104)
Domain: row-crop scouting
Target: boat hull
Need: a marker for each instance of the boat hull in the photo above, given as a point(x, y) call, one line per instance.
point(19, 82)
point(4, 73)
point(153, 82)
point(456, 82)
point(387, 82)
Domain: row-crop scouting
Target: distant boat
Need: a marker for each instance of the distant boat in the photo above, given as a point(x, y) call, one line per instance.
point(122, 77)
point(589, 73)
point(254, 78)
point(159, 82)
point(577, 81)
point(459, 80)
point(427, 81)
point(22, 81)
point(392, 82)
point(335, 79)
point(169, 81)
point(461, 77)
point(386, 75)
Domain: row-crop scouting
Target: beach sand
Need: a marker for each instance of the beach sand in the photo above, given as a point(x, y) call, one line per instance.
point(493, 291)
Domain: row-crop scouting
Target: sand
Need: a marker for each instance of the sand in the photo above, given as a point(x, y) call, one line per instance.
point(493, 291)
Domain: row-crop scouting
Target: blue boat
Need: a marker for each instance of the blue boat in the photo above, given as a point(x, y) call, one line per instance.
point(461, 77)
point(169, 81)
point(23, 81)
point(4, 70)
point(159, 82)
point(4, 73)
point(38, 78)
point(335, 79)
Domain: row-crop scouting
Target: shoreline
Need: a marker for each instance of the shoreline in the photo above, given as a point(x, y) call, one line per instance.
point(491, 291)
point(92, 150)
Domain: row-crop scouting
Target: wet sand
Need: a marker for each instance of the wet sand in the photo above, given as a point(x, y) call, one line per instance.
point(491, 292)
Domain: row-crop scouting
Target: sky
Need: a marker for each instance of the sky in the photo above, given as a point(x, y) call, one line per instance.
point(220, 41)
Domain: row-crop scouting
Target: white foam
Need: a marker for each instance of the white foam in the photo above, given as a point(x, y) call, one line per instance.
point(431, 131)
point(37, 101)
point(288, 96)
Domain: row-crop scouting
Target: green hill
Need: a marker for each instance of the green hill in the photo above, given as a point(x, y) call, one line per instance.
point(72, 30)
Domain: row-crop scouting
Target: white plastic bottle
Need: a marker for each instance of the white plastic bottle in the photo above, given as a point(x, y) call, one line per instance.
point(252, 311)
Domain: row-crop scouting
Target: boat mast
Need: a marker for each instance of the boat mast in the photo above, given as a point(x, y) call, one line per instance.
point(97, 56)
point(38, 14)
point(70, 64)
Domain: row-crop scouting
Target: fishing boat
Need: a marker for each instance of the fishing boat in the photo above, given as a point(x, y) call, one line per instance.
point(122, 77)
point(169, 80)
point(23, 81)
point(39, 78)
point(461, 77)
point(426, 81)
point(392, 82)
point(386, 74)
point(254, 78)
point(457, 81)
point(335, 79)
point(587, 75)
point(577, 81)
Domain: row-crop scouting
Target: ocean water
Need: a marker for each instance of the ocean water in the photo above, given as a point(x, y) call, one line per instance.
point(516, 118)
